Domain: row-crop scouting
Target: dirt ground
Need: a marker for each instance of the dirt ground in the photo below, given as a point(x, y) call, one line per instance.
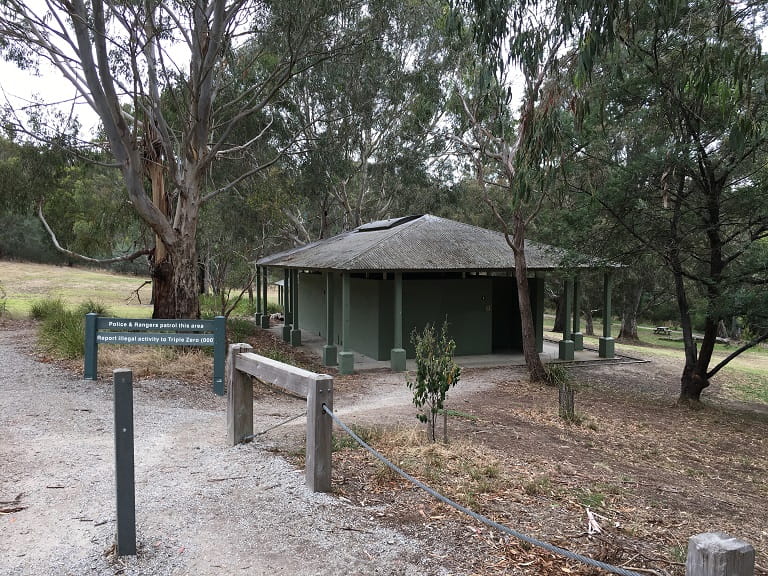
point(651, 472)
point(648, 473)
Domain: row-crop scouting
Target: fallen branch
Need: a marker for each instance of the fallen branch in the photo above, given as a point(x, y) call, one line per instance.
point(227, 478)
point(12, 509)
point(138, 296)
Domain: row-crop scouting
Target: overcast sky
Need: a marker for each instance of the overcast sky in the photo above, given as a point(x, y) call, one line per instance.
point(18, 87)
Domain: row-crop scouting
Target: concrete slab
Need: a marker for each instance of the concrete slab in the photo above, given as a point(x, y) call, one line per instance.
point(314, 345)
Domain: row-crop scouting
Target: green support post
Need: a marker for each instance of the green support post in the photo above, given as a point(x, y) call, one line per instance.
point(288, 318)
point(606, 345)
point(346, 356)
point(264, 303)
point(257, 315)
point(91, 347)
point(566, 344)
point(296, 331)
point(397, 355)
point(219, 353)
point(329, 350)
point(538, 315)
point(577, 336)
point(125, 484)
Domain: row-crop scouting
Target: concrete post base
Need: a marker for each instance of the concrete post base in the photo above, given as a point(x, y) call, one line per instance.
point(329, 356)
point(296, 337)
point(566, 350)
point(346, 362)
point(287, 333)
point(397, 360)
point(264, 321)
point(606, 347)
point(578, 341)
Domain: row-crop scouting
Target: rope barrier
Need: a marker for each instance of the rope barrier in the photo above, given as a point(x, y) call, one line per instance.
point(487, 521)
point(252, 436)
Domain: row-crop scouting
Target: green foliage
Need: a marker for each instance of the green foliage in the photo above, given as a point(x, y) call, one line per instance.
point(91, 306)
point(3, 301)
point(272, 308)
point(556, 374)
point(23, 238)
point(46, 308)
point(240, 329)
point(62, 331)
point(436, 372)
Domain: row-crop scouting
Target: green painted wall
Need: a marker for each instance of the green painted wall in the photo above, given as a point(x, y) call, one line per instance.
point(467, 304)
point(312, 303)
point(482, 312)
point(364, 303)
point(386, 318)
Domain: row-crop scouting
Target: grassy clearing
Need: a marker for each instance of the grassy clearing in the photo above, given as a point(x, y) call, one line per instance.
point(26, 283)
point(745, 378)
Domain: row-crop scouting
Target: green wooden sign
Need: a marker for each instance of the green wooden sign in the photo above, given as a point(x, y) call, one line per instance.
point(156, 332)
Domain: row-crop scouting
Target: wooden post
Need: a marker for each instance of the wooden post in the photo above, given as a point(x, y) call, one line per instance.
point(125, 484)
point(319, 434)
point(239, 398)
point(717, 554)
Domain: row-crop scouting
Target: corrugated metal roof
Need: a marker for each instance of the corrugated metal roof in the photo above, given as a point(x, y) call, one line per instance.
point(416, 243)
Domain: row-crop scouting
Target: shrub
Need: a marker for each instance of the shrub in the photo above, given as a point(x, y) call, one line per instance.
point(436, 373)
point(3, 302)
point(240, 329)
point(63, 333)
point(89, 306)
point(46, 308)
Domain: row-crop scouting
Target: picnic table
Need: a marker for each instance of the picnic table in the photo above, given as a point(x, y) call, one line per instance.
point(664, 330)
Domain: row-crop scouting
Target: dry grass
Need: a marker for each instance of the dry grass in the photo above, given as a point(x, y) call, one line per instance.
point(190, 365)
point(25, 282)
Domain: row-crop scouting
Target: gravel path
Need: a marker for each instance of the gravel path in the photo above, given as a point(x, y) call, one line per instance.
point(202, 507)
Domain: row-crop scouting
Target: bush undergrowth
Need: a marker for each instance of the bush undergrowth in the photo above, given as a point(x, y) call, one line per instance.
point(62, 330)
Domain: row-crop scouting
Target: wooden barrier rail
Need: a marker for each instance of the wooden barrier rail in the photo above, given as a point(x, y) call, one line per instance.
point(241, 366)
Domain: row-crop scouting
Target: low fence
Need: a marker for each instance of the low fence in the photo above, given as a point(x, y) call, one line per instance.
point(241, 366)
point(709, 554)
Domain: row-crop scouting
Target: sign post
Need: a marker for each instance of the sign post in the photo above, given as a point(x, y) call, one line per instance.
point(156, 332)
point(125, 482)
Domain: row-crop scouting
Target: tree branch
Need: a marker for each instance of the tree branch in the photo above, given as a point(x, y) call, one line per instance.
point(60, 248)
point(735, 353)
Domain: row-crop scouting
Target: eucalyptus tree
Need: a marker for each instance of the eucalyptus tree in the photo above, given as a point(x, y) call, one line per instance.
point(154, 72)
point(675, 143)
point(369, 117)
point(513, 143)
